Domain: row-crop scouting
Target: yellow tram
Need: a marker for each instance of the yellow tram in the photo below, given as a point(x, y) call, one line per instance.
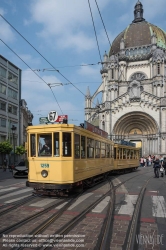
point(63, 156)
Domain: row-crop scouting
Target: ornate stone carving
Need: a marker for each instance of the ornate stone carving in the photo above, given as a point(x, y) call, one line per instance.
point(134, 90)
point(139, 76)
point(163, 102)
point(158, 55)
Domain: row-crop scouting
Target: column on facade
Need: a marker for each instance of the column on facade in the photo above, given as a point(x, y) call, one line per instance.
point(105, 86)
point(158, 90)
point(154, 89)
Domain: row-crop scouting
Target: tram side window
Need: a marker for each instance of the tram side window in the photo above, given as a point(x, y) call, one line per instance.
point(83, 147)
point(108, 150)
point(45, 145)
point(132, 154)
point(103, 150)
point(115, 149)
point(124, 153)
point(56, 145)
point(97, 149)
point(90, 148)
point(120, 153)
point(33, 145)
point(76, 146)
point(128, 153)
point(66, 142)
point(117, 156)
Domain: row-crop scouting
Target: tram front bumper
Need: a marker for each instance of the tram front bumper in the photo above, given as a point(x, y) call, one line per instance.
point(48, 186)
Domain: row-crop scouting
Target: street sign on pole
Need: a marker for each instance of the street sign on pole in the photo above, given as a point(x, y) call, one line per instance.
point(43, 120)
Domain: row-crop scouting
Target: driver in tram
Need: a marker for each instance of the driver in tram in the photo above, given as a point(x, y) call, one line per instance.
point(47, 147)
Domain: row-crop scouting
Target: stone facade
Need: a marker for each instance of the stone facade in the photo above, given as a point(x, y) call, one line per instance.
point(133, 88)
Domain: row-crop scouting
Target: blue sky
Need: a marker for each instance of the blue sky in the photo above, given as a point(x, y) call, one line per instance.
point(62, 31)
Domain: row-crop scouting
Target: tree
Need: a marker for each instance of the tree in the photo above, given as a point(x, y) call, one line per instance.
point(20, 150)
point(5, 148)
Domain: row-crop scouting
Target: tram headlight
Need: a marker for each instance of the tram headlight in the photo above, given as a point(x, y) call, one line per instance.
point(44, 173)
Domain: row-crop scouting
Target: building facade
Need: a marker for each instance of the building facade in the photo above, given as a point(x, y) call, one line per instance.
point(10, 96)
point(13, 110)
point(133, 87)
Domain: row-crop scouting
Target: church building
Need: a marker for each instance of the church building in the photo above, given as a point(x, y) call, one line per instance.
point(133, 87)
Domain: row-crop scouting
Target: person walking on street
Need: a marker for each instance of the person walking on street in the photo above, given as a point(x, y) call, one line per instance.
point(164, 164)
point(4, 164)
point(156, 167)
point(142, 161)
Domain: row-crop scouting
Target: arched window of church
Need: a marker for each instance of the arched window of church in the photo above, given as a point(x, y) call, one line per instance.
point(144, 50)
point(138, 14)
point(131, 52)
point(139, 51)
point(103, 125)
point(135, 52)
point(127, 52)
point(112, 73)
point(158, 68)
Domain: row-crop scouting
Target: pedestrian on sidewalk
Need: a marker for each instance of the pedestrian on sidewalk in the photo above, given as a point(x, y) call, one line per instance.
point(164, 164)
point(4, 164)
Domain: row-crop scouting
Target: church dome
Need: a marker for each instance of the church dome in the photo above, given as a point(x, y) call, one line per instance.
point(139, 33)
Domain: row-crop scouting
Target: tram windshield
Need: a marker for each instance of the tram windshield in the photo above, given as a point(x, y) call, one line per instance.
point(45, 145)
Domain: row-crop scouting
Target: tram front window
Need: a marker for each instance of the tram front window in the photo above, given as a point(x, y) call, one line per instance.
point(45, 145)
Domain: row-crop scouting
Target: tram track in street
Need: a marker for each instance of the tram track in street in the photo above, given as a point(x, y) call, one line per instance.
point(66, 228)
point(12, 206)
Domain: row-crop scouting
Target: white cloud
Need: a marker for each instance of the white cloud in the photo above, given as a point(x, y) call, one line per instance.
point(65, 22)
point(92, 71)
point(30, 81)
point(6, 34)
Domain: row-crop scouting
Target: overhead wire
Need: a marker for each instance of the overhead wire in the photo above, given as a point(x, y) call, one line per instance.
point(42, 55)
point(70, 66)
point(32, 70)
point(103, 22)
point(95, 30)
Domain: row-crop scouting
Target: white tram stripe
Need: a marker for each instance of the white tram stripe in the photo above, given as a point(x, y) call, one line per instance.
point(100, 207)
point(17, 199)
point(15, 193)
point(129, 207)
point(159, 206)
point(8, 189)
point(43, 202)
point(81, 199)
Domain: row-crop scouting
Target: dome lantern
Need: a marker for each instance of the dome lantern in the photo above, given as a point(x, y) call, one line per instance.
point(138, 12)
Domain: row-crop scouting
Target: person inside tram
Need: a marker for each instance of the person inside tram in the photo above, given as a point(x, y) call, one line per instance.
point(47, 147)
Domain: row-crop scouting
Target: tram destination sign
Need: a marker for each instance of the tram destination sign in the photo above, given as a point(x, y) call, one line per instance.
point(94, 129)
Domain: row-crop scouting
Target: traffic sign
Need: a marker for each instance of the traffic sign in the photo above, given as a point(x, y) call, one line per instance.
point(43, 120)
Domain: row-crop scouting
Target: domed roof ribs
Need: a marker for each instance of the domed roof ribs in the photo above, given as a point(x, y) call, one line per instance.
point(138, 12)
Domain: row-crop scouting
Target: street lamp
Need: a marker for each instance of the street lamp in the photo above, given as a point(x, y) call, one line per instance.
point(13, 128)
